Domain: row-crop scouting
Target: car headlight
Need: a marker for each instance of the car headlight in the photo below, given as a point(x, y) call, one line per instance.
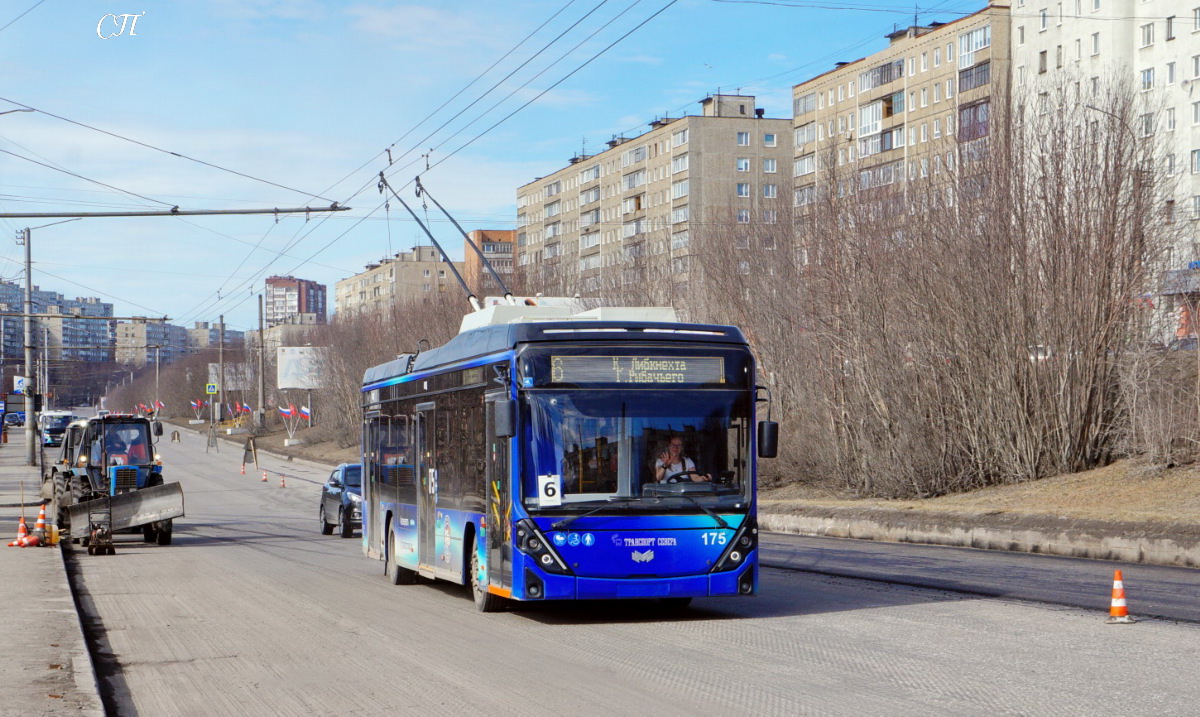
point(355, 498)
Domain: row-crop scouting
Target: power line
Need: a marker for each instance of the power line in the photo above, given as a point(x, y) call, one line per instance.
point(80, 176)
point(18, 17)
point(167, 151)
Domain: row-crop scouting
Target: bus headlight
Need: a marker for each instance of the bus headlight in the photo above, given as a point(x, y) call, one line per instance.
point(745, 540)
point(531, 542)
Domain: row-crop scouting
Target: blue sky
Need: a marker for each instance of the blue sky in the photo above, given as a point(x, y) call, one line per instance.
point(306, 96)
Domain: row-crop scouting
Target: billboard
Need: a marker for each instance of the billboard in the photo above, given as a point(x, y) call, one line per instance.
point(238, 376)
point(300, 367)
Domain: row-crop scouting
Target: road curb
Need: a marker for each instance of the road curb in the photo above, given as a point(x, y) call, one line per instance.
point(82, 666)
point(1151, 543)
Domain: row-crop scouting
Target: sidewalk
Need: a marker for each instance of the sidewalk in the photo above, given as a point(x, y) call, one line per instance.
point(46, 669)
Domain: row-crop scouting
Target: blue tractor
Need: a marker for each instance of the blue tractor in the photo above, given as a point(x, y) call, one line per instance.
point(109, 478)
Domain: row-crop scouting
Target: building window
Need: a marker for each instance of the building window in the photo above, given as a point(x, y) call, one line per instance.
point(804, 104)
point(937, 129)
point(553, 188)
point(743, 139)
point(553, 208)
point(949, 88)
point(1042, 20)
point(1170, 119)
point(1170, 28)
point(743, 216)
point(973, 121)
point(1196, 113)
point(769, 166)
point(1041, 66)
point(1148, 79)
point(924, 62)
point(805, 134)
point(806, 165)
point(770, 191)
point(770, 216)
point(937, 57)
point(1196, 161)
point(1147, 34)
point(1020, 34)
point(679, 189)
point(679, 240)
point(769, 140)
point(743, 164)
point(679, 214)
point(679, 138)
point(924, 97)
point(1170, 73)
point(743, 189)
point(1146, 124)
point(679, 164)
point(590, 174)
point(1095, 43)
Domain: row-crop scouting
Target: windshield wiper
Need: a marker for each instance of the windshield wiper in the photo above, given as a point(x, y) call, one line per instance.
point(559, 525)
point(720, 521)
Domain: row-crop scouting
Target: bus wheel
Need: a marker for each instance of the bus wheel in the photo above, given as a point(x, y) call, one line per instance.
point(396, 574)
point(484, 600)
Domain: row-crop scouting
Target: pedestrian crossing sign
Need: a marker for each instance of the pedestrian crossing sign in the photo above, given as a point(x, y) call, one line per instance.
point(210, 388)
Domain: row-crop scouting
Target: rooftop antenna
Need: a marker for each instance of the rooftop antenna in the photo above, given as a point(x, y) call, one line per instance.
point(474, 300)
point(423, 192)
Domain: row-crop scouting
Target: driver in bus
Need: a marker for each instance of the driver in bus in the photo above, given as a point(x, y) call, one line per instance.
point(672, 461)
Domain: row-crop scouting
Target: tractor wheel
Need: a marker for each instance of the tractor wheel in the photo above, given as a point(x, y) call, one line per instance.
point(162, 536)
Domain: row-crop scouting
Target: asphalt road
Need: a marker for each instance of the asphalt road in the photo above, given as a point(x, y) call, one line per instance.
point(252, 611)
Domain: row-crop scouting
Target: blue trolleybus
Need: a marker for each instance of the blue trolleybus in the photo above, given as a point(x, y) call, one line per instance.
point(544, 455)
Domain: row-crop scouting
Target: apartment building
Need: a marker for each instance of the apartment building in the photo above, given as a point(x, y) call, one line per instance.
point(207, 335)
point(636, 213)
point(407, 276)
point(1154, 44)
point(66, 337)
point(497, 247)
point(288, 296)
point(912, 111)
point(140, 342)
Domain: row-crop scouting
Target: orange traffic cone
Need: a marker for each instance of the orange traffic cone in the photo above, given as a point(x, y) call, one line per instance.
point(22, 532)
point(30, 541)
point(282, 483)
point(1118, 613)
point(40, 525)
point(264, 480)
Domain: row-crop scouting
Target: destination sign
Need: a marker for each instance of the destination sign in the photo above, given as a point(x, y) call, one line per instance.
point(637, 369)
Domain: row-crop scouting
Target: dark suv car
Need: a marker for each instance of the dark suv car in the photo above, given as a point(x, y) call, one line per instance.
point(341, 499)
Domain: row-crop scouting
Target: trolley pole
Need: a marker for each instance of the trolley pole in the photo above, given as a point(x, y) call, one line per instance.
point(221, 369)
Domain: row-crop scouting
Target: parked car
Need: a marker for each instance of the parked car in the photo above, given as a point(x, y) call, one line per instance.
point(341, 498)
point(1188, 343)
point(52, 425)
point(14, 419)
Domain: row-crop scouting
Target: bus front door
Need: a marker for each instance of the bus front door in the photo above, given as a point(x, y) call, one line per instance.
point(499, 518)
point(426, 490)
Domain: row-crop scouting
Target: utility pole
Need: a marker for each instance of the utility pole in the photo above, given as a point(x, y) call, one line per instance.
point(260, 414)
point(221, 368)
point(156, 350)
point(30, 392)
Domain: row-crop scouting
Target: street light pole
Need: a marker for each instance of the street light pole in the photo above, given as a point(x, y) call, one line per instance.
point(30, 392)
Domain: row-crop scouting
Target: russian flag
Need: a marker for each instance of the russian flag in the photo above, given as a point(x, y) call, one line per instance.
point(285, 412)
point(246, 408)
point(159, 404)
point(305, 413)
point(197, 404)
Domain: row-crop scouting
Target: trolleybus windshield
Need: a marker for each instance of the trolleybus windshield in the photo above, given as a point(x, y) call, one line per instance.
point(605, 445)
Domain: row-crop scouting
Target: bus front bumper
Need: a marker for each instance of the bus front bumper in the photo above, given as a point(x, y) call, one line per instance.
point(548, 586)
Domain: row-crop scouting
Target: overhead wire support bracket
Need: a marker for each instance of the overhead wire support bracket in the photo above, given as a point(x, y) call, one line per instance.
point(474, 300)
point(423, 192)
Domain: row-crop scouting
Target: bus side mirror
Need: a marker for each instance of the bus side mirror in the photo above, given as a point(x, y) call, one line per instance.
point(768, 439)
point(505, 417)
point(158, 428)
